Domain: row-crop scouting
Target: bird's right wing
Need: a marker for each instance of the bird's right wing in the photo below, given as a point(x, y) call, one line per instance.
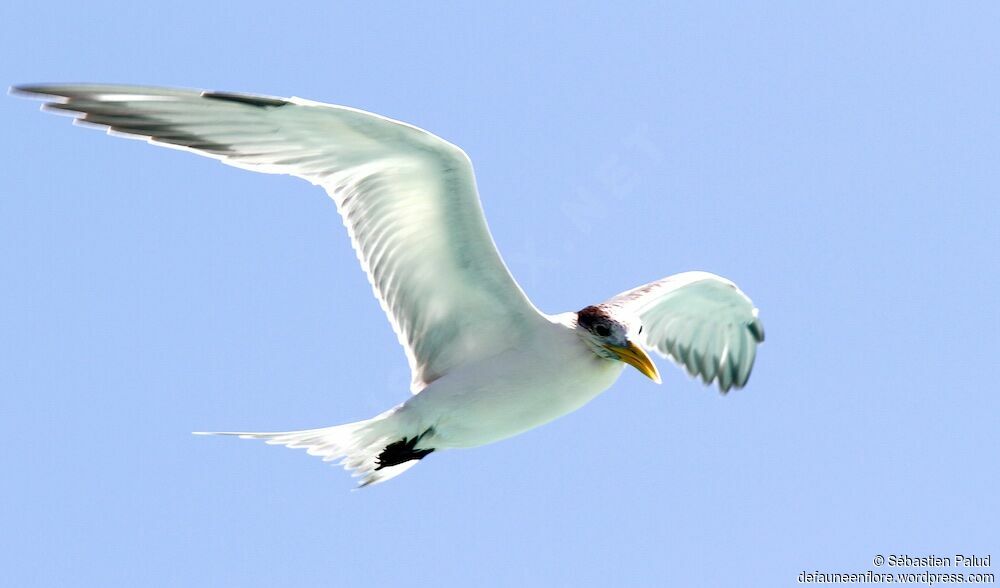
point(407, 197)
point(702, 321)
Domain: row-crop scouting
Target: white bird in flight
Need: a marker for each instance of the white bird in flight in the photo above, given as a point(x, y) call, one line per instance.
point(486, 364)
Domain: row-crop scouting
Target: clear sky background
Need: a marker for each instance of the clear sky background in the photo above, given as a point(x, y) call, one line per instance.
point(841, 163)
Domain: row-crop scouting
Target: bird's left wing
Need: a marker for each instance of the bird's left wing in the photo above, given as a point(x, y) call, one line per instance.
point(407, 197)
point(702, 321)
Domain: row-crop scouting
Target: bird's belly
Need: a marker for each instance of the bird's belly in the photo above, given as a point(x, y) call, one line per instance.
point(510, 394)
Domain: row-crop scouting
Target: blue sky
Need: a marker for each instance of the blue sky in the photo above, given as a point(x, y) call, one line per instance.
point(839, 162)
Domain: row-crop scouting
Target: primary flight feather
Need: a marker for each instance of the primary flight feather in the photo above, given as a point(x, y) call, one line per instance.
point(486, 364)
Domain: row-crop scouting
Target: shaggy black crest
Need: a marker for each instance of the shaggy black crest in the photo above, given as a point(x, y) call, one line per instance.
point(590, 316)
point(402, 451)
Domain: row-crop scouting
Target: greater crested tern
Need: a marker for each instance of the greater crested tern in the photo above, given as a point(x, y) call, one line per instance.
point(486, 363)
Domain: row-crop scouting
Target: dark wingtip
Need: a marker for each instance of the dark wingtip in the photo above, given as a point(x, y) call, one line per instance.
point(29, 91)
point(259, 101)
point(45, 91)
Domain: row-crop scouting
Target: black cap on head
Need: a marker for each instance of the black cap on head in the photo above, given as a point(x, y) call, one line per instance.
point(590, 316)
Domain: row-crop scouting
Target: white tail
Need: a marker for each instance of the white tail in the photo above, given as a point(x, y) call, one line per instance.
point(357, 446)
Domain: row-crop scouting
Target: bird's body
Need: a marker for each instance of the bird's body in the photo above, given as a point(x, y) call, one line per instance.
point(486, 363)
point(552, 373)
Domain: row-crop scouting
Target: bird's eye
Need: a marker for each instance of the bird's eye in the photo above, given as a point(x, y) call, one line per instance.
point(602, 330)
point(640, 330)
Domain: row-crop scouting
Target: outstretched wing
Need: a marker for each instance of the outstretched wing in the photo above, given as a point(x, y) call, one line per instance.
point(407, 197)
point(704, 322)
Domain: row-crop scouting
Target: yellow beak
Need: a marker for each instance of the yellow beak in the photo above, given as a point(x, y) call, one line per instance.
point(633, 355)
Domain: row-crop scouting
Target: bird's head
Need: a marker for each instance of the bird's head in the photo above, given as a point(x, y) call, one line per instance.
point(609, 338)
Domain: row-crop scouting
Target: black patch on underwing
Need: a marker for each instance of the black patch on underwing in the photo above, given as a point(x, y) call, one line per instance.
point(259, 101)
point(402, 451)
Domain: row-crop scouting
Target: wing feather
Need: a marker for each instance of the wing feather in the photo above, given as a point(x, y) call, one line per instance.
point(700, 320)
point(408, 200)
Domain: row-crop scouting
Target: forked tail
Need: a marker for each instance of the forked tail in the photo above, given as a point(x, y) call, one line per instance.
point(373, 450)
